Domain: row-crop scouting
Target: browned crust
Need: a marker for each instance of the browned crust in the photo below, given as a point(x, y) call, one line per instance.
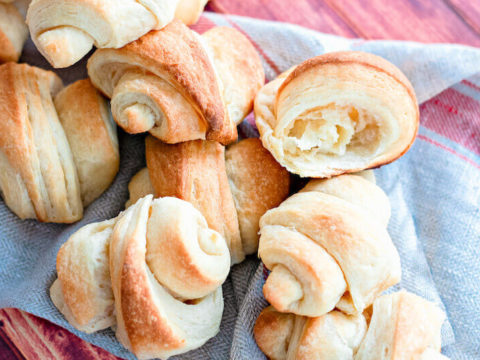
point(195, 171)
point(272, 332)
point(353, 57)
point(83, 113)
point(177, 52)
point(145, 327)
point(75, 296)
point(7, 50)
point(233, 51)
point(16, 135)
point(260, 182)
point(368, 60)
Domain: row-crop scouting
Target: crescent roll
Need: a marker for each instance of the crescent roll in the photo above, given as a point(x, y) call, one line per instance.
point(48, 170)
point(289, 337)
point(231, 188)
point(13, 32)
point(337, 113)
point(403, 326)
point(328, 247)
point(178, 85)
point(154, 272)
point(64, 31)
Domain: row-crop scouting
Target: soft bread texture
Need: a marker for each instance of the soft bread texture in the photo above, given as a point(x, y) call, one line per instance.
point(289, 337)
point(64, 31)
point(337, 113)
point(145, 264)
point(13, 33)
point(232, 188)
point(92, 136)
point(328, 247)
point(178, 85)
point(403, 326)
point(43, 175)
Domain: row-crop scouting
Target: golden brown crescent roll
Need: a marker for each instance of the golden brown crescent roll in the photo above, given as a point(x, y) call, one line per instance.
point(66, 30)
point(289, 337)
point(232, 191)
point(403, 326)
point(328, 247)
point(337, 113)
point(178, 85)
point(13, 33)
point(43, 176)
point(154, 272)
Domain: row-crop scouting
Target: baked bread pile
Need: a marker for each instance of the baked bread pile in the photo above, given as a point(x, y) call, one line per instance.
point(205, 200)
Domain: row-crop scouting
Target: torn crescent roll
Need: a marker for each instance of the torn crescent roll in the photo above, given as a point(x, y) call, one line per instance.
point(178, 85)
point(288, 337)
point(64, 31)
point(337, 113)
point(48, 170)
point(137, 271)
point(328, 247)
point(231, 188)
point(13, 33)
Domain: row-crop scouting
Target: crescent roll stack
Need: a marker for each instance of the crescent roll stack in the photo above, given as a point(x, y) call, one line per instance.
point(403, 326)
point(178, 85)
point(337, 113)
point(231, 188)
point(328, 247)
point(154, 272)
point(66, 30)
point(58, 147)
point(13, 32)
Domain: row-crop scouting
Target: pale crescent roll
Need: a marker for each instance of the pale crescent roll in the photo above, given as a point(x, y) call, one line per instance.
point(328, 247)
point(58, 146)
point(66, 30)
point(13, 32)
point(289, 337)
point(154, 273)
point(178, 85)
point(337, 113)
